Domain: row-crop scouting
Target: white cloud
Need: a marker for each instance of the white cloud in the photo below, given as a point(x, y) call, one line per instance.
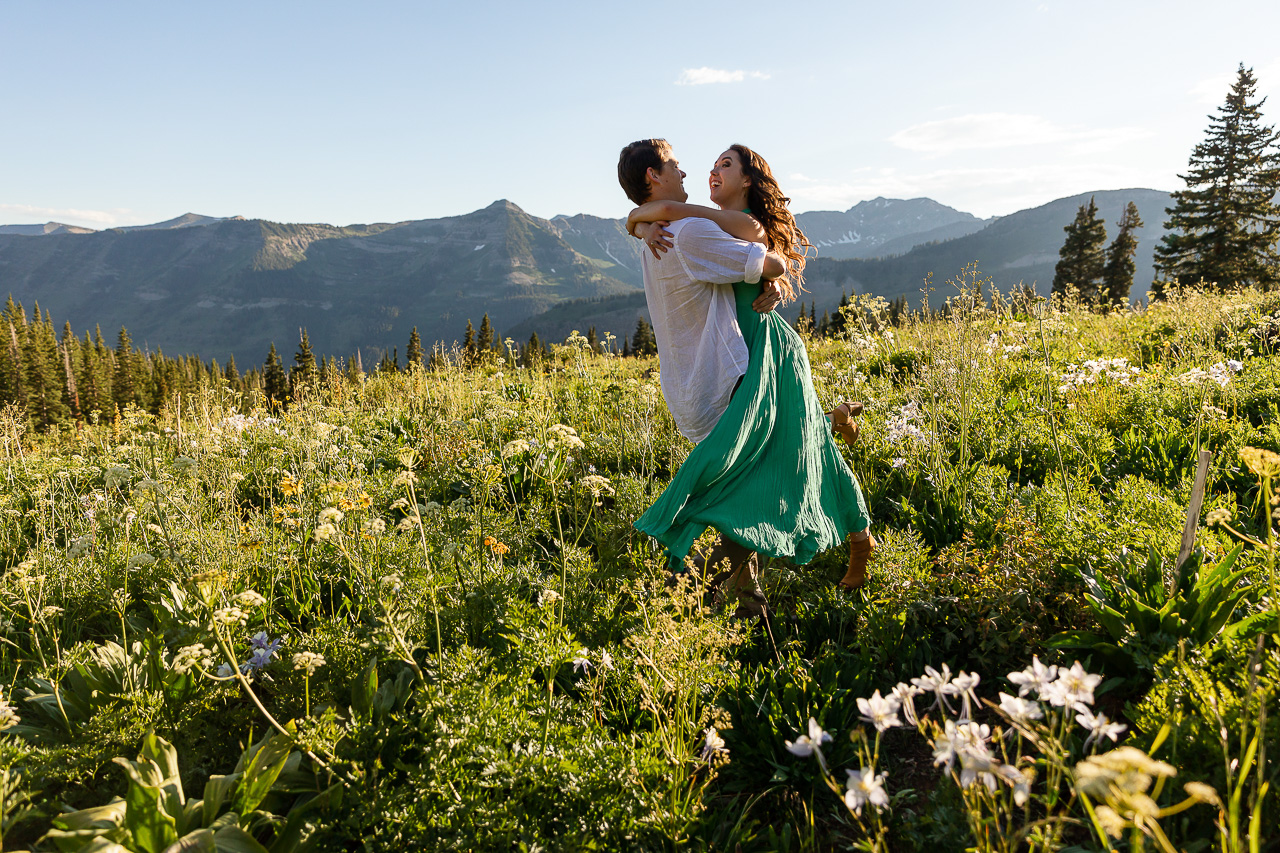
point(702, 76)
point(27, 214)
point(977, 131)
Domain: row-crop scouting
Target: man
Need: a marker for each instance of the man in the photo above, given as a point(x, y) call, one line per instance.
point(691, 305)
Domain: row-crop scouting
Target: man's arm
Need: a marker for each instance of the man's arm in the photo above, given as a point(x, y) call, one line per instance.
point(710, 255)
point(735, 223)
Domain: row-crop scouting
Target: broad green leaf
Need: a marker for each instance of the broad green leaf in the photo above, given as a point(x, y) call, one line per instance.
point(216, 791)
point(267, 759)
point(233, 839)
point(365, 688)
point(153, 829)
point(200, 841)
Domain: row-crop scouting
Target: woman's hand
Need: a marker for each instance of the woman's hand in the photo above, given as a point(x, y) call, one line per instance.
point(650, 211)
point(655, 235)
point(770, 297)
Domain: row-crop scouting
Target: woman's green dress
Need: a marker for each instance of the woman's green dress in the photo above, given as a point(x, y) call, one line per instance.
point(769, 476)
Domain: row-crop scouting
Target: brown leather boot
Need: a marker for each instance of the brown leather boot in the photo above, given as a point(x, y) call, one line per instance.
point(859, 554)
point(843, 423)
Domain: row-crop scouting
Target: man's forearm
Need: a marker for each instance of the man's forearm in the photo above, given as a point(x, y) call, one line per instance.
point(774, 266)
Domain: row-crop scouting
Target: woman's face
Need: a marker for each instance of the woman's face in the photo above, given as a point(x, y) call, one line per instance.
point(728, 183)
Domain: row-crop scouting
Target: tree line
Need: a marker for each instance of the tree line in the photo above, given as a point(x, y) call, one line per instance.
point(1222, 229)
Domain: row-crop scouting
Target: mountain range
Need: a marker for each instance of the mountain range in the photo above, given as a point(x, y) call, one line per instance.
point(229, 285)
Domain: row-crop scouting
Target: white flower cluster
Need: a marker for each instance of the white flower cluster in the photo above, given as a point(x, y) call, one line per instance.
point(1062, 687)
point(8, 714)
point(229, 616)
point(80, 545)
point(117, 475)
point(1092, 371)
point(596, 485)
point(330, 515)
point(191, 656)
point(904, 425)
point(1220, 373)
point(250, 598)
point(994, 346)
point(518, 447)
point(309, 661)
point(561, 437)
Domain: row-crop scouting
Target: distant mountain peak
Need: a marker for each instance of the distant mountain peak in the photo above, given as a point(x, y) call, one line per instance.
point(186, 220)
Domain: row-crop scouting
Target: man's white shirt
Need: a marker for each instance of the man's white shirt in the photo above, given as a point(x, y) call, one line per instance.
point(695, 321)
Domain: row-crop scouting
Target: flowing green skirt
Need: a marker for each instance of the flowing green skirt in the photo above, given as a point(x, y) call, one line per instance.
point(769, 476)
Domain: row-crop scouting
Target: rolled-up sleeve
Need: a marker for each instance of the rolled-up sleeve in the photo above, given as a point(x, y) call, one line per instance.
point(709, 254)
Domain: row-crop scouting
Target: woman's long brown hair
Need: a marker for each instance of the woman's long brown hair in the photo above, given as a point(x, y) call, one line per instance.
point(769, 206)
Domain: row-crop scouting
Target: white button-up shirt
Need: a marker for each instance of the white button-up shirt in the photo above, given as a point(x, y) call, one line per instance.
point(695, 321)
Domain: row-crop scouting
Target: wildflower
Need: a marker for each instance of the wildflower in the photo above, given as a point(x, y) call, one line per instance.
point(1036, 677)
point(1020, 781)
point(324, 532)
point(191, 656)
point(561, 437)
point(899, 462)
point(809, 744)
point(429, 508)
point(495, 546)
point(548, 598)
point(864, 786)
point(596, 484)
point(606, 660)
point(905, 694)
point(309, 661)
point(581, 663)
point(184, 464)
point(399, 503)
point(330, 515)
point(517, 447)
point(880, 711)
point(1099, 727)
point(404, 478)
point(712, 744)
point(1020, 710)
point(225, 671)
point(934, 682)
point(289, 486)
point(229, 616)
point(903, 425)
point(375, 526)
point(1120, 779)
point(1073, 688)
point(405, 525)
point(962, 685)
point(80, 545)
point(9, 714)
point(137, 561)
point(250, 598)
point(116, 475)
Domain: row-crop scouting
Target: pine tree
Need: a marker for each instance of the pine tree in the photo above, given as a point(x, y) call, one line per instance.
point(593, 342)
point(66, 347)
point(304, 363)
point(484, 341)
point(1117, 275)
point(1224, 226)
point(413, 353)
point(1082, 256)
point(643, 342)
point(802, 321)
point(469, 344)
point(533, 352)
point(229, 372)
point(838, 320)
point(124, 387)
point(626, 348)
point(275, 384)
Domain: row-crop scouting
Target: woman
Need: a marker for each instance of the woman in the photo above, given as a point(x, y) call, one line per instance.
point(769, 476)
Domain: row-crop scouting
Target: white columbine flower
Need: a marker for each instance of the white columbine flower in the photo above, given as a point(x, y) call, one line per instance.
point(934, 682)
point(1036, 677)
point(963, 685)
point(880, 711)
point(810, 744)
point(581, 663)
point(1099, 727)
point(1020, 710)
point(1073, 689)
point(865, 786)
point(713, 744)
point(905, 694)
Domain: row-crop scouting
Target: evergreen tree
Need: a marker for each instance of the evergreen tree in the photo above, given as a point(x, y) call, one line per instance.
point(824, 325)
point(413, 353)
point(643, 342)
point(1117, 275)
point(229, 372)
point(1082, 256)
point(626, 348)
point(124, 387)
point(838, 320)
point(469, 343)
point(813, 316)
point(802, 321)
point(66, 347)
point(42, 373)
point(304, 363)
point(275, 384)
point(484, 341)
point(533, 352)
point(1224, 226)
point(92, 395)
point(593, 343)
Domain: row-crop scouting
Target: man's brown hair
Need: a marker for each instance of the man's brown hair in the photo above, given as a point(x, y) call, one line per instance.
point(634, 163)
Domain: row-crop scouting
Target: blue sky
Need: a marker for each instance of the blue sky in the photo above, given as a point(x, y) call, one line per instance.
point(127, 113)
